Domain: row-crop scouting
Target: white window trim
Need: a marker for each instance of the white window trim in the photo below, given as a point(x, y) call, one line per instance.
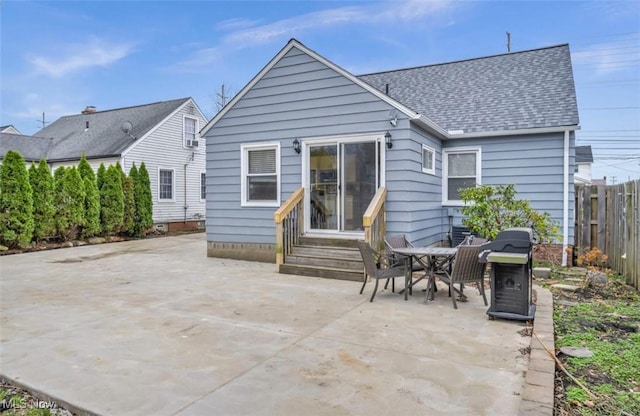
point(184, 137)
point(244, 153)
point(173, 185)
point(431, 171)
point(445, 171)
point(205, 191)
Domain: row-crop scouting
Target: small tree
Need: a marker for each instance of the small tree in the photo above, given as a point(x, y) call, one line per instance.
point(123, 175)
point(85, 170)
point(100, 176)
point(16, 201)
point(92, 225)
point(129, 217)
point(490, 209)
point(70, 203)
point(59, 198)
point(144, 200)
point(44, 208)
point(111, 201)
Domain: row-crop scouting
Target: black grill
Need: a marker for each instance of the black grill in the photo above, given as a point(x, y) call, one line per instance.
point(511, 256)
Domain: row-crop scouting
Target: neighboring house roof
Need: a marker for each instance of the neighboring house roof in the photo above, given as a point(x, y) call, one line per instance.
point(100, 134)
point(499, 94)
point(513, 91)
point(583, 154)
point(31, 148)
point(9, 129)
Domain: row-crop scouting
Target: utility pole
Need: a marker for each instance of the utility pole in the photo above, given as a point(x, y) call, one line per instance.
point(613, 180)
point(222, 98)
point(508, 42)
point(42, 122)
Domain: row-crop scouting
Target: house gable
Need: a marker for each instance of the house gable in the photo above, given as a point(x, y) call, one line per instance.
point(10, 130)
point(294, 44)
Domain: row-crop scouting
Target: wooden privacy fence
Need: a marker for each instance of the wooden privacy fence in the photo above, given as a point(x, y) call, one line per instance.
point(608, 218)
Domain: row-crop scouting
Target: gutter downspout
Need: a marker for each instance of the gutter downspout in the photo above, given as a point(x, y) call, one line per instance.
point(185, 193)
point(190, 159)
point(565, 200)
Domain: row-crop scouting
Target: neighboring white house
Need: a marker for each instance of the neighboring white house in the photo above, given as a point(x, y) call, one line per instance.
point(9, 130)
point(584, 159)
point(163, 135)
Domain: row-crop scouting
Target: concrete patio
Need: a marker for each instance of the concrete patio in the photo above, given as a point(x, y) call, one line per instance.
point(156, 327)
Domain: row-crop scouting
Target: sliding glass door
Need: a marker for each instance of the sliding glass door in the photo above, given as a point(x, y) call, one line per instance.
point(343, 178)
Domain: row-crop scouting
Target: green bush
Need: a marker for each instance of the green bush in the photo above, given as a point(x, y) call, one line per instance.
point(129, 217)
point(85, 170)
point(16, 202)
point(92, 225)
point(70, 203)
point(100, 176)
point(123, 175)
point(111, 201)
point(489, 209)
point(144, 200)
point(44, 208)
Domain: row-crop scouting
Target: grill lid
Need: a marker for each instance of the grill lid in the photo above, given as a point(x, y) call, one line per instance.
point(512, 240)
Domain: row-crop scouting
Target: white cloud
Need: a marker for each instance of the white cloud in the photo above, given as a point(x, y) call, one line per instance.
point(94, 52)
point(245, 36)
point(294, 25)
point(415, 9)
point(235, 24)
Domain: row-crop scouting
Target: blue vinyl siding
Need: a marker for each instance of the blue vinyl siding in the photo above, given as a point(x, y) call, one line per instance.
point(298, 98)
point(533, 163)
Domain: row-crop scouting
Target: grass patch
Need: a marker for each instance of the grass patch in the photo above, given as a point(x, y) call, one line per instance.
point(606, 320)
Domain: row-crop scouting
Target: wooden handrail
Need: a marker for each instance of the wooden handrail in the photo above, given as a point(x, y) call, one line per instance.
point(288, 206)
point(289, 219)
point(374, 207)
point(374, 220)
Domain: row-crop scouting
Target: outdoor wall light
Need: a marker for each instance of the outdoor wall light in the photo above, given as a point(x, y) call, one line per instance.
point(296, 145)
point(387, 140)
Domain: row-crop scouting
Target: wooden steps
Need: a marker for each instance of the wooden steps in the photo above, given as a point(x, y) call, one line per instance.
point(330, 258)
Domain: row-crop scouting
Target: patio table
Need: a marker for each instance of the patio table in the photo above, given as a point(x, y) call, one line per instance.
point(430, 258)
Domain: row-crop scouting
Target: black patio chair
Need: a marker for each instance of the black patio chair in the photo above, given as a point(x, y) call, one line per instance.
point(380, 266)
point(466, 268)
point(400, 241)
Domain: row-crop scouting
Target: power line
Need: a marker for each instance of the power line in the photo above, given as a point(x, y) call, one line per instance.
point(618, 81)
point(608, 131)
point(593, 51)
point(611, 108)
point(608, 35)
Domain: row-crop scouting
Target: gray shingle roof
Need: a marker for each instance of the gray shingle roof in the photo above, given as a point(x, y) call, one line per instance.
point(583, 154)
point(518, 90)
point(31, 148)
point(104, 136)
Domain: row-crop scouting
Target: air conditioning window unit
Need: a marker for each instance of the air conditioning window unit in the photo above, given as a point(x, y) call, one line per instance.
point(194, 143)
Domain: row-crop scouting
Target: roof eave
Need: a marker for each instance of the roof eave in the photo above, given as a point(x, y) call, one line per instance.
point(429, 125)
point(514, 132)
point(72, 159)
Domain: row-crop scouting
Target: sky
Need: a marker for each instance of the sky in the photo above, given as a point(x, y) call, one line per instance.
point(57, 57)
